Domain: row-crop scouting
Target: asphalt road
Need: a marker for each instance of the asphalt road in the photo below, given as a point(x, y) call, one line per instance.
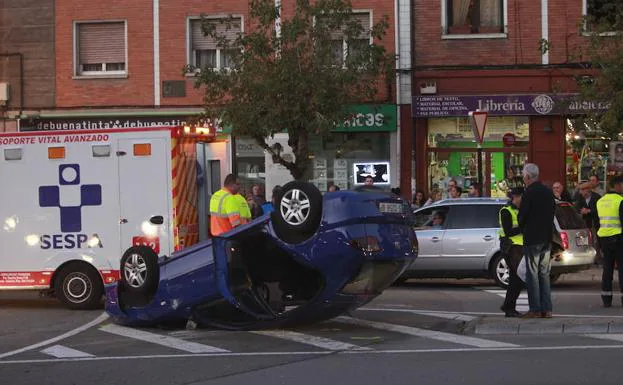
point(411, 334)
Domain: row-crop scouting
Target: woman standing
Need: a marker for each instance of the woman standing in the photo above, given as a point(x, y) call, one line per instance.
point(419, 200)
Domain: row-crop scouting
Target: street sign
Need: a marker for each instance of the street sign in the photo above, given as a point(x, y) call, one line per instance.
point(509, 139)
point(479, 124)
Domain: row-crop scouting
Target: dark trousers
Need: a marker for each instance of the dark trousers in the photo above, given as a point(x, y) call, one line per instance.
point(612, 251)
point(515, 284)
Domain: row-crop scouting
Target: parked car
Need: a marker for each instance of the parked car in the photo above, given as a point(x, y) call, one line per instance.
point(467, 244)
point(311, 259)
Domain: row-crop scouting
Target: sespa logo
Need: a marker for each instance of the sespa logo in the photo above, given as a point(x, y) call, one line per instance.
point(70, 214)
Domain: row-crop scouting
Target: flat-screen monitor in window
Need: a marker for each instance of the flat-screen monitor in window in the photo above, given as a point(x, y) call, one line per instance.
point(379, 171)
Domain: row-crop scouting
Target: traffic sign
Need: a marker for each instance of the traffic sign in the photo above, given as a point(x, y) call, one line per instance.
point(479, 124)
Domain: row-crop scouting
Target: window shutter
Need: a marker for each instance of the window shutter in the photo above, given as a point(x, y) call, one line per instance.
point(228, 29)
point(101, 43)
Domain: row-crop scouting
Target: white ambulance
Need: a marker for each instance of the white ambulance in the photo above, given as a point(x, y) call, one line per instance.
point(71, 202)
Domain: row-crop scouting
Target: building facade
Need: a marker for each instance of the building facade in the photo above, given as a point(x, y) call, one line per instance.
point(113, 64)
point(519, 61)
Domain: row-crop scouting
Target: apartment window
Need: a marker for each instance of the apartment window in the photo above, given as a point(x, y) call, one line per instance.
point(464, 17)
point(204, 50)
point(101, 48)
point(605, 15)
point(341, 48)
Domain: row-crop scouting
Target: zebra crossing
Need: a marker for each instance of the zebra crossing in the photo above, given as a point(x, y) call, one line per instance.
point(349, 335)
point(522, 300)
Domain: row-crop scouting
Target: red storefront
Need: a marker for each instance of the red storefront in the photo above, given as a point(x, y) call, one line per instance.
point(527, 122)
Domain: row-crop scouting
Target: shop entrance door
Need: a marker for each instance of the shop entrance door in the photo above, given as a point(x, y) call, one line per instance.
point(502, 172)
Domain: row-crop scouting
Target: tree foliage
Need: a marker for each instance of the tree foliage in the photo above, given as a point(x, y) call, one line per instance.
point(604, 53)
point(301, 79)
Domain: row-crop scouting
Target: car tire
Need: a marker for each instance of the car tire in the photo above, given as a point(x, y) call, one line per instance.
point(79, 286)
point(499, 271)
point(297, 212)
point(139, 270)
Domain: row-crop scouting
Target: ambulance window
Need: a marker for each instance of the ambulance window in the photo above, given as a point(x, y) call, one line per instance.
point(142, 149)
point(12, 154)
point(101, 151)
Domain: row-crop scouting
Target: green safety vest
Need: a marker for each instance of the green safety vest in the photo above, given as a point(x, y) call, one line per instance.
point(608, 212)
point(516, 239)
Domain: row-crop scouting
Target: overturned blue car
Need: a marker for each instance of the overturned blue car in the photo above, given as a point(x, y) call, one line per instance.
point(337, 253)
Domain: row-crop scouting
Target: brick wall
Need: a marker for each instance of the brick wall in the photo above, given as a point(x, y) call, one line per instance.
point(521, 46)
point(137, 89)
point(27, 28)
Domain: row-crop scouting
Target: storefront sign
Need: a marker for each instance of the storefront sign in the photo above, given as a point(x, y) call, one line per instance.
point(103, 123)
point(371, 117)
point(538, 104)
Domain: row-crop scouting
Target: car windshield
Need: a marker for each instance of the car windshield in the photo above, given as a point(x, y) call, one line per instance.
point(567, 218)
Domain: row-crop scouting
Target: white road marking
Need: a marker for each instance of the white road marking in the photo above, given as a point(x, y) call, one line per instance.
point(60, 351)
point(430, 313)
point(609, 337)
point(522, 300)
point(425, 333)
point(317, 353)
point(158, 339)
point(307, 339)
point(102, 317)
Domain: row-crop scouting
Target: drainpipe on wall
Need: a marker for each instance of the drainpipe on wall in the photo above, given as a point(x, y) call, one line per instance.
point(544, 30)
point(156, 34)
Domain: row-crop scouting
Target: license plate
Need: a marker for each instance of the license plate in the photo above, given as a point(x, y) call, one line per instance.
point(391, 208)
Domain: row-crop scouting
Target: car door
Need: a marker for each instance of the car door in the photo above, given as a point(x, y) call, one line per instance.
point(471, 235)
point(429, 240)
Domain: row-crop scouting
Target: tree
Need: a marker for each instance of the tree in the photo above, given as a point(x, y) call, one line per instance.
point(300, 79)
point(604, 54)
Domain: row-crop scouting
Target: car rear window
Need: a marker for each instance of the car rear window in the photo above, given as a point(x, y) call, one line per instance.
point(568, 219)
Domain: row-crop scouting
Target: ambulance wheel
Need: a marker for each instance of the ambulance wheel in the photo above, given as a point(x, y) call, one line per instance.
point(139, 270)
point(298, 212)
point(79, 286)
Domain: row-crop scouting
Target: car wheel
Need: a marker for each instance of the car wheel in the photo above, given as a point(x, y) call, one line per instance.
point(500, 271)
point(298, 212)
point(140, 270)
point(79, 286)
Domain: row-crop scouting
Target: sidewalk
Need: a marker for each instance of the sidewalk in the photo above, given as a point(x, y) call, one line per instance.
point(559, 324)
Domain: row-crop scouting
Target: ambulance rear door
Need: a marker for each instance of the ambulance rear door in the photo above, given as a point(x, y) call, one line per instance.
point(145, 193)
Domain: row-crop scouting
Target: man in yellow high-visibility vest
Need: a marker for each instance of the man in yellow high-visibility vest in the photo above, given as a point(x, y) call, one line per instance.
point(511, 242)
point(610, 213)
point(225, 207)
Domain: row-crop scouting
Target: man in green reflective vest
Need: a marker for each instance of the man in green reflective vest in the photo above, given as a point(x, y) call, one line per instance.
point(511, 242)
point(610, 213)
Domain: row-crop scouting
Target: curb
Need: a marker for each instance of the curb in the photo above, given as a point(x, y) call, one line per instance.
point(497, 325)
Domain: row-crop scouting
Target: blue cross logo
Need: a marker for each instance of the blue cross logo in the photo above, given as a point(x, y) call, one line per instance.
point(71, 216)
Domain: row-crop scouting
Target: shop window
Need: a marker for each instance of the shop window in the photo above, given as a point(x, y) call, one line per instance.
point(603, 15)
point(473, 17)
point(101, 48)
point(457, 132)
point(204, 51)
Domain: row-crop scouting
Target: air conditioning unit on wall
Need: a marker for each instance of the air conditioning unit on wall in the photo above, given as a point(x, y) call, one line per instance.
point(4, 93)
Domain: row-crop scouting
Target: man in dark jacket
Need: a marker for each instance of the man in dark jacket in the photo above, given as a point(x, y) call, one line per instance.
point(536, 217)
point(586, 205)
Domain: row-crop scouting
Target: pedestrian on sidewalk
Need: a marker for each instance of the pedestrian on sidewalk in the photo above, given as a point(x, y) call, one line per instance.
point(536, 218)
point(610, 213)
point(511, 241)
